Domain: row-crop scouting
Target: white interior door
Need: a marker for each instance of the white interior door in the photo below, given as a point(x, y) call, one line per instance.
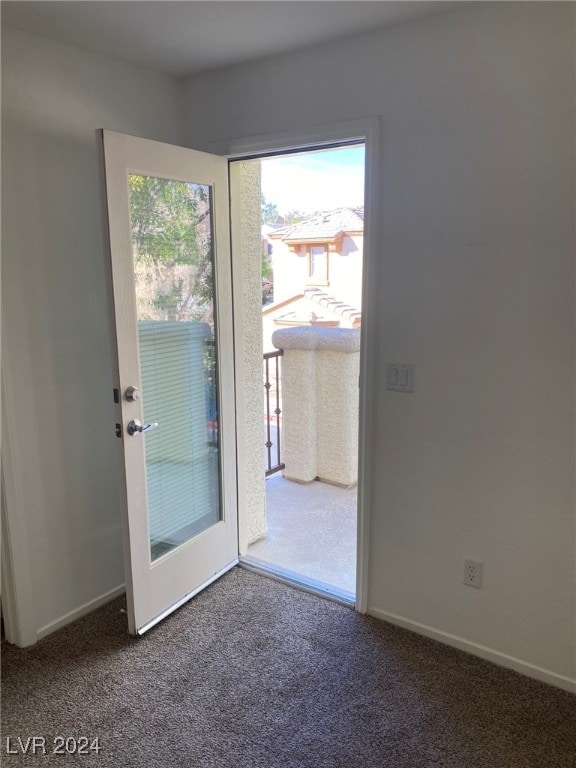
point(170, 255)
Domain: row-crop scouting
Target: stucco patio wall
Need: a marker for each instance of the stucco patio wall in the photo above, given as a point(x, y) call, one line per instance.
point(247, 276)
point(320, 372)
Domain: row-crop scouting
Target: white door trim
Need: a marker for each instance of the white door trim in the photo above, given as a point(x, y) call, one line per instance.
point(18, 603)
point(367, 130)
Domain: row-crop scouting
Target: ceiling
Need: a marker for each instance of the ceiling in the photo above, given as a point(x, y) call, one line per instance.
point(192, 36)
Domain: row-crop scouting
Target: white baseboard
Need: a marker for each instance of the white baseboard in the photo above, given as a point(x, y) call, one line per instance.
point(82, 610)
point(502, 659)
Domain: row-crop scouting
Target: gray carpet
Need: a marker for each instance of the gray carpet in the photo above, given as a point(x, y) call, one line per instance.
point(254, 674)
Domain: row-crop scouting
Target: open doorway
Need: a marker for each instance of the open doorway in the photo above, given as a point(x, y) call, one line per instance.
point(311, 251)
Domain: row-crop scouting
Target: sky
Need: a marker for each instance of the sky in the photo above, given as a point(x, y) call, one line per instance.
point(315, 181)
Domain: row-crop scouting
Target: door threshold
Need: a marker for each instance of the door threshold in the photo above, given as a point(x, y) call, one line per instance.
point(318, 588)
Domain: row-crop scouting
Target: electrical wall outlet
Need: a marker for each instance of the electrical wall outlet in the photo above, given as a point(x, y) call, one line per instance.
point(473, 573)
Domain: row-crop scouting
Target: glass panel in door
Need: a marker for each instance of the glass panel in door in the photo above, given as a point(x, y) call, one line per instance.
point(172, 245)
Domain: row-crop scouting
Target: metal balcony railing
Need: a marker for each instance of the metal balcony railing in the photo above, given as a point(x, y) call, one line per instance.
point(272, 412)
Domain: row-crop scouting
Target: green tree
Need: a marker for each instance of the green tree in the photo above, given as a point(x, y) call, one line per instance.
point(270, 213)
point(266, 265)
point(172, 238)
point(293, 217)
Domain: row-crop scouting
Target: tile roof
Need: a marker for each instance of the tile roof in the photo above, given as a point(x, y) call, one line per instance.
point(330, 303)
point(327, 224)
point(339, 307)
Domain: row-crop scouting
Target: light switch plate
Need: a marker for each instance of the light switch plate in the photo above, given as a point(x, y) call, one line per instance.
point(400, 377)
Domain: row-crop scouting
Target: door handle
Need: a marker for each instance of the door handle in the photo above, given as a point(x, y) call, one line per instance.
point(135, 427)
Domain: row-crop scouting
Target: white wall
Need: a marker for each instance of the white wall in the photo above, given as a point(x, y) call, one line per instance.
point(345, 271)
point(63, 488)
point(475, 265)
point(290, 271)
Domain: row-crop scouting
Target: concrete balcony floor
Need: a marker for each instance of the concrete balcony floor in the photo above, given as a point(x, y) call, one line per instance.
point(311, 532)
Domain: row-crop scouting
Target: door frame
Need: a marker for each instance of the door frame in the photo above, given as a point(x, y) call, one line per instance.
point(18, 603)
point(306, 139)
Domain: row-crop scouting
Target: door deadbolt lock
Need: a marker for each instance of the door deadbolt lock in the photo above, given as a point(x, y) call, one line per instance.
point(133, 394)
